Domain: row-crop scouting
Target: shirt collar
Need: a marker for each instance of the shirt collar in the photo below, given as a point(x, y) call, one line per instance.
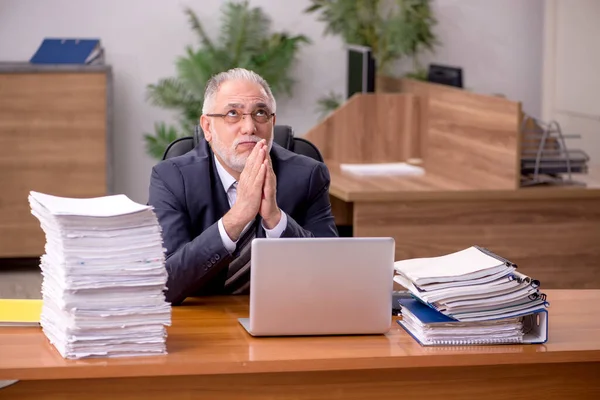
point(226, 179)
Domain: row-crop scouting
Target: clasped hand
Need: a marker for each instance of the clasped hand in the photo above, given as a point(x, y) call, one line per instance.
point(256, 191)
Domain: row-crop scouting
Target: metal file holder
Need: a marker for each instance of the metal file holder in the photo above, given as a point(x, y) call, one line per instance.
point(545, 158)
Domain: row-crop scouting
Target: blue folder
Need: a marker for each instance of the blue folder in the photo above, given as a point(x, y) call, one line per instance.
point(424, 313)
point(68, 51)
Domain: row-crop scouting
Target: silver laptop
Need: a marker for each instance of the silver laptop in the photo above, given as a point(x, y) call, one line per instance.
point(320, 286)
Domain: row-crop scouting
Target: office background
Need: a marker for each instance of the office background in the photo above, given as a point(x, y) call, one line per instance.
point(499, 44)
point(539, 54)
point(536, 53)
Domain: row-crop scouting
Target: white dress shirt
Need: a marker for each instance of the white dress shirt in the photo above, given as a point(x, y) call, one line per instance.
point(230, 186)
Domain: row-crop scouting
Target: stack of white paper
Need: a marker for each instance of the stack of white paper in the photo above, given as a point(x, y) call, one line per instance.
point(471, 285)
point(103, 276)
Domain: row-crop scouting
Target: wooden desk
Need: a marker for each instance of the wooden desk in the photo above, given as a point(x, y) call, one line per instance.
point(553, 234)
point(212, 356)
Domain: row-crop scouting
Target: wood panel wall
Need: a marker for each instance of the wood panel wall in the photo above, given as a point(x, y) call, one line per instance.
point(554, 240)
point(53, 139)
point(474, 139)
point(422, 91)
point(368, 128)
point(466, 136)
point(469, 138)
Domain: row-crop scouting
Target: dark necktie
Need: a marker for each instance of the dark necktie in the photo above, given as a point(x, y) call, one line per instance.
point(238, 275)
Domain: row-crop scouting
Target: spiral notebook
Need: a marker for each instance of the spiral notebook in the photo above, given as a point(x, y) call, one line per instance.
point(430, 327)
point(473, 284)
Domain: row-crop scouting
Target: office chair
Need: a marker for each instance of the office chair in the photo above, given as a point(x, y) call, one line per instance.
point(283, 135)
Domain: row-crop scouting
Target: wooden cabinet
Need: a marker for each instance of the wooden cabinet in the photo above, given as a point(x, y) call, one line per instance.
point(54, 138)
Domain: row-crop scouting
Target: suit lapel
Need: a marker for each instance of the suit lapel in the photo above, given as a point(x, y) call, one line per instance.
point(218, 192)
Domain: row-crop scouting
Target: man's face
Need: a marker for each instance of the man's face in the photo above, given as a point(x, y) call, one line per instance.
point(231, 139)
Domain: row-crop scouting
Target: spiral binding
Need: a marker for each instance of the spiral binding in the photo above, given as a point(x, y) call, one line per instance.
point(456, 342)
point(537, 295)
point(533, 282)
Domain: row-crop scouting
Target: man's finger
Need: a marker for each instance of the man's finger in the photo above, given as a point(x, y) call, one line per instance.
point(269, 180)
point(260, 177)
point(258, 162)
point(272, 176)
point(272, 179)
point(252, 157)
point(251, 167)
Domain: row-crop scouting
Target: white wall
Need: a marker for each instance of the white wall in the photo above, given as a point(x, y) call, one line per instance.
point(498, 43)
point(571, 89)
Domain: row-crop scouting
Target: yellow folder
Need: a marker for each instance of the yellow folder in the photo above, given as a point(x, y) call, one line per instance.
point(20, 312)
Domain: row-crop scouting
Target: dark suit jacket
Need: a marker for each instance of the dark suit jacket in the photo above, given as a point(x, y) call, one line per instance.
point(188, 199)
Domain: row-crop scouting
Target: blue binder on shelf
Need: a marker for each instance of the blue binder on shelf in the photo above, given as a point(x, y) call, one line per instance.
point(535, 326)
point(69, 51)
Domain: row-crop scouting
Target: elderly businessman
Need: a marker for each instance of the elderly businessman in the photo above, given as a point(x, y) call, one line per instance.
point(234, 186)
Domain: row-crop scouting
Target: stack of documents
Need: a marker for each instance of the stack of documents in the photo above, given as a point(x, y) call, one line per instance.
point(470, 286)
point(103, 276)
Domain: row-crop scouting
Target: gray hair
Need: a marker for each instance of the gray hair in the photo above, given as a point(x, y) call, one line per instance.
point(213, 84)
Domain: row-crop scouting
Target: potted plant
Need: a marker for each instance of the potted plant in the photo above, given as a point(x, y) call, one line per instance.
point(246, 41)
point(391, 28)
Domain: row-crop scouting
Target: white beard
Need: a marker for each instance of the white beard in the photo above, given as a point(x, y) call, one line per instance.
point(235, 161)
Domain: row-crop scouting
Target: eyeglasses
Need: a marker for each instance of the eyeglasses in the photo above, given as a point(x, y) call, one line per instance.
point(260, 116)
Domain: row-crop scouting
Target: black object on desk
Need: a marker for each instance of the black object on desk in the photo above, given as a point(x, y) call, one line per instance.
point(396, 296)
point(445, 75)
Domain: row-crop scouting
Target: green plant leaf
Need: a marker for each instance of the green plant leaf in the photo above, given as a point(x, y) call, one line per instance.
point(243, 30)
point(420, 75)
point(278, 57)
point(199, 29)
point(163, 135)
point(391, 28)
point(329, 103)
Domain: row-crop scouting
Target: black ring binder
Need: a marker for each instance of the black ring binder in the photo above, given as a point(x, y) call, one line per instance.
point(535, 296)
point(532, 282)
point(528, 323)
point(543, 296)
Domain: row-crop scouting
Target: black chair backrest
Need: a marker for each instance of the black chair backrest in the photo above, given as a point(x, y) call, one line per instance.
point(283, 135)
point(179, 147)
point(306, 148)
